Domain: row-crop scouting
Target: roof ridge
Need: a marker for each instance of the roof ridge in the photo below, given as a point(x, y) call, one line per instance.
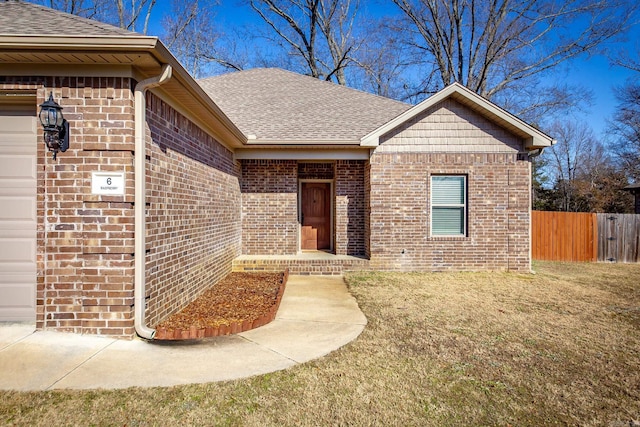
point(298, 75)
point(339, 85)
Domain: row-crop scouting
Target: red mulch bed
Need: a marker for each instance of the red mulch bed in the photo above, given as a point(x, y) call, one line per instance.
point(239, 302)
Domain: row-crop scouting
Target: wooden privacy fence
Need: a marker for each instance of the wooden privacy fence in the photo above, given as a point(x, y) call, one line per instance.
point(618, 237)
point(564, 236)
point(571, 236)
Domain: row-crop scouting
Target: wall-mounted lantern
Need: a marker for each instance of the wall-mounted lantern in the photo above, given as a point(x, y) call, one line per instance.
point(56, 128)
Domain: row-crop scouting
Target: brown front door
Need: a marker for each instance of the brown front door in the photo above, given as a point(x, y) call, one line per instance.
point(316, 215)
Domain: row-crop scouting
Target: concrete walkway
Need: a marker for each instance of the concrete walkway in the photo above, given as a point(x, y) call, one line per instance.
point(317, 315)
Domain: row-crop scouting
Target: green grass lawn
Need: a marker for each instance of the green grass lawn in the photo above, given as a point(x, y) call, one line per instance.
point(558, 347)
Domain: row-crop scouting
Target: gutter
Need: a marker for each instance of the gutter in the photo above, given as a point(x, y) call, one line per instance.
point(535, 153)
point(140, 200)
point(538, 151)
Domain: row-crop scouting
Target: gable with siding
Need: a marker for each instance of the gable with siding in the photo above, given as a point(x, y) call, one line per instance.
point(450, 126)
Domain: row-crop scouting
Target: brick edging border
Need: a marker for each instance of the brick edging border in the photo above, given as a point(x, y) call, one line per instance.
point(164, 334)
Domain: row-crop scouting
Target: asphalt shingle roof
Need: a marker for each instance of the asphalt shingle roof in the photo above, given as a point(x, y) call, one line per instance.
point(22, 18)
point(278, 105)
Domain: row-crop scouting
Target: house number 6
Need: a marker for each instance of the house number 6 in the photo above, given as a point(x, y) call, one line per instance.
point(108, 181)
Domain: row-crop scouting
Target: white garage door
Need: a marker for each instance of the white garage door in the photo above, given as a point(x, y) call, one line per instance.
point(17, 212)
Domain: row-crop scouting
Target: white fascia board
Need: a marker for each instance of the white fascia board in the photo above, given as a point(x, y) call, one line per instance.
point(537, 139)
point(300, 154)
point(73, 42)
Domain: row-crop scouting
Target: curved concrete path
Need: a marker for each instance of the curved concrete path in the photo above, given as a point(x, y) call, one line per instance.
point(317, 315)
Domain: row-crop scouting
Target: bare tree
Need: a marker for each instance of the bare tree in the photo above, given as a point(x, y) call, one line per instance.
point(625, 128)
point(539, 101)
point(576, 143)
point(318, 32)
point(383, 65)
point(189, 29)
point(492, 46)
point(131, 12)
point(190, 33)
point(336, 21)
point(585, 177)
point(629, 58)
point(132, 15)
point(85, 8)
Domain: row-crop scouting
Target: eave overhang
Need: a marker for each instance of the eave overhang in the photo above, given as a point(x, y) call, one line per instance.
point(534, 138)
point(303, 153)
point(142, 56)
point(257, 142)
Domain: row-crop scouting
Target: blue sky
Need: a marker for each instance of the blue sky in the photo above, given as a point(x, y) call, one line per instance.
point(597, 74)
point(594, 73)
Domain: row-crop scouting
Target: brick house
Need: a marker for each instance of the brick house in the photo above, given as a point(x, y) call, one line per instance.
point(256, 170)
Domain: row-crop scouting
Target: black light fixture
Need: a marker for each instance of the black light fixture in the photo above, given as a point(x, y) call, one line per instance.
point(56, 128)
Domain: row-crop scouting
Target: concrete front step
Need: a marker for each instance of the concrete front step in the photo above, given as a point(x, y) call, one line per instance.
point(305, 263)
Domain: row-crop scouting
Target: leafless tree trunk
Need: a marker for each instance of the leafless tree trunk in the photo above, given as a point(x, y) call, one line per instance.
point(130, 12)
point(132, 15)
point(384, 67)
point(190, 32)
point(85, 8)
point(625, 128)
point(319, 32)
point(585, 176)
point(490, 46)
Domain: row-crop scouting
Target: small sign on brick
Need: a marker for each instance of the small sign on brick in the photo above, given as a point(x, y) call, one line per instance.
point(107, 183)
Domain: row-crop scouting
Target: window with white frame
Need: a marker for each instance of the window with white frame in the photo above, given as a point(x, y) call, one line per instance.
point(448, 205)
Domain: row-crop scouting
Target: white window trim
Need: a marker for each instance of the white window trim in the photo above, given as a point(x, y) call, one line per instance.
point(464, 205)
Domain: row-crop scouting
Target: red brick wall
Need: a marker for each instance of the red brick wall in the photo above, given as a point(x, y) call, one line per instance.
point(85, 241)
point(367, 209)
point(193, 222)
point(498, 213)
point(449, 138)
point(349, 208)
point(316, 170)
point(269, 207)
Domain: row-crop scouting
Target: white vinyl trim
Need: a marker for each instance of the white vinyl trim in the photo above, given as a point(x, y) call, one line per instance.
point(457, 206)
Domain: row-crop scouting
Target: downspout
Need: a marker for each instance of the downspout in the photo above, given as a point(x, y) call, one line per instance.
point(536, 152)
point(140, 200)
point(533, 153)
